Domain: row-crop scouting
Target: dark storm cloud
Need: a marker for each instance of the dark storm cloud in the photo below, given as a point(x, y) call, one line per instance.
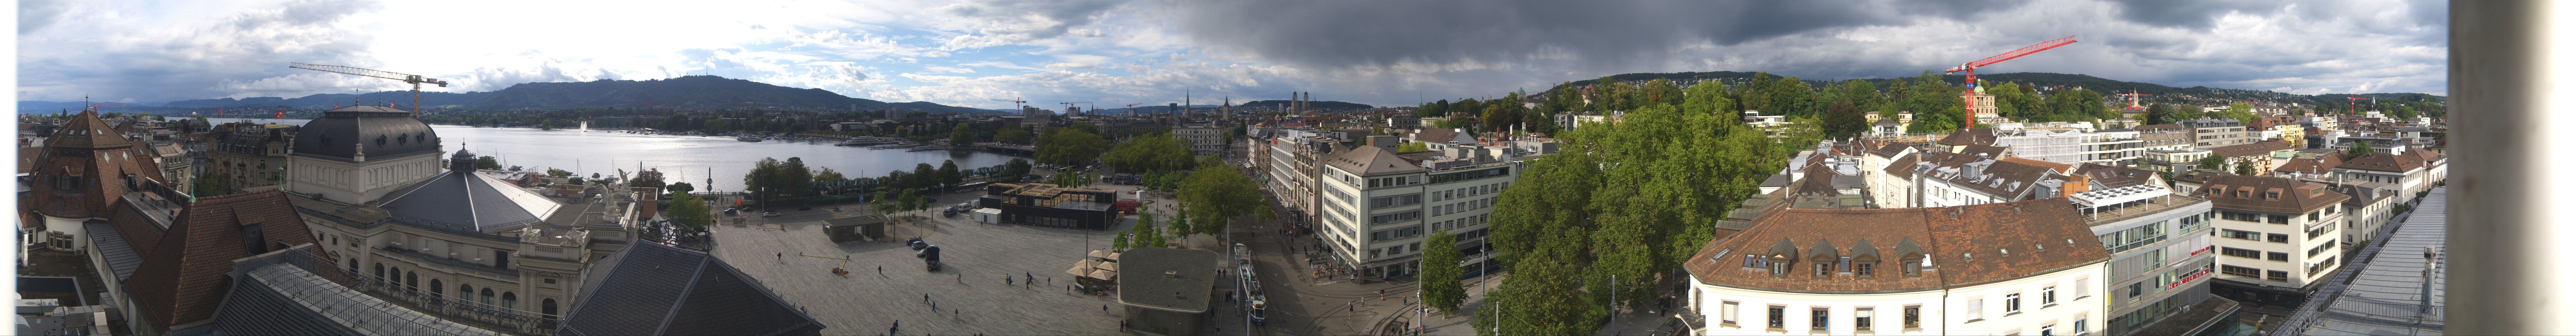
point(2176, 13)
point(243, 55)
point(1605, 35)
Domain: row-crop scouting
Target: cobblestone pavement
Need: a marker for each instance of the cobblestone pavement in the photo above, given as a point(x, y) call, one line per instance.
point(970, 294)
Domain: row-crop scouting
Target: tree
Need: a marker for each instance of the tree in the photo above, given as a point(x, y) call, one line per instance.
point(487, 162)
point(1440, 287)
point(682, 187)
point(2212, 163)
point(2245, 167)
point(1070, 147)
point(948, 173)
point(557, 173)
point(212, 185)
point(649, 178)
point(962, 134)
point(923, 176)
point(1015, 169)
point(2359, 149)
point(1410, 147)
point(1844, 120)
point(794, 179)
point(830, 180)
point(1216, 194)
point(689, 211)
point(1014, 136)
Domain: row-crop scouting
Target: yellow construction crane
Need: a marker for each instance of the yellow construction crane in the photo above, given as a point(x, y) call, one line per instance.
point(415, 80)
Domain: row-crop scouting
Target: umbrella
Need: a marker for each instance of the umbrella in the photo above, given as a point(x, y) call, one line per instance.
point(1102, 254)
point(1104, 275)
point(1085, 264)
point(1107, 266)
point(1113, 256)
point(1079, 271)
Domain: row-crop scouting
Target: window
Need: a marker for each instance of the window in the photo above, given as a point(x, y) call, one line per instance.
point(1817, 319)
point(1860, 318)
point(254, 240)
point(1778, 317)
point(1976, 309)
point(2048, 296)
point(1395, 217)
point(2329, 245)
point(2240, 253)
point(549, 306)
point(2280, 219)
point(2277, 238)
point(1726, 313)
point(1779, 269)
point(2048, 330)
point(1862, 269)
point(2276, 275)
point(2240, 216)
point(487, 295)
point(1389, 201)
point(1913, 317)
point(2080, 291)
point(2240, 271)
point(510, 300)
point(2079, 326)
point(2277, 256)
point(2012, 303)
point(2246, 235)
point(1824, 269)
point(550, 281)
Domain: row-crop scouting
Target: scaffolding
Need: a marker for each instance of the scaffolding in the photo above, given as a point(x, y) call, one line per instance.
point(2052, 145)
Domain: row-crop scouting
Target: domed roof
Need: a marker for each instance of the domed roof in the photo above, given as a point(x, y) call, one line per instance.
point(385, 131)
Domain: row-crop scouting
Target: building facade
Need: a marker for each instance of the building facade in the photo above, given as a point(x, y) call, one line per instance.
point(1932, 271)
point(2214, 132)
point(2276, 236)
point(249, 155)
point(1378, 207)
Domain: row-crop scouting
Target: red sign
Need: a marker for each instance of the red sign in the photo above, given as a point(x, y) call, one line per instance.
point(2187, 278)
point(2204, 249)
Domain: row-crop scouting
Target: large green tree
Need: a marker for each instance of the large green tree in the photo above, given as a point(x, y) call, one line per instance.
point(1070, 147)
point(1842, 120)
point(487, 162)
point(1215, 194)
point(689, 211)
point(649, 178)
point(1440, 272)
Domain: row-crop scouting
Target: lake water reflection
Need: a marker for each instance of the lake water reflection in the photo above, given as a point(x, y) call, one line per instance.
point(680, 158)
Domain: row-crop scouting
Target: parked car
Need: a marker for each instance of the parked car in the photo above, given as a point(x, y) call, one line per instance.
point(769, 214)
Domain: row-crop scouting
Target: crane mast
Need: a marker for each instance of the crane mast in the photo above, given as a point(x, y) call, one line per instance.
point(1969, 116)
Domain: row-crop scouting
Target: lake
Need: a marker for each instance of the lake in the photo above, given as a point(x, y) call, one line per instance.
point(680, 158)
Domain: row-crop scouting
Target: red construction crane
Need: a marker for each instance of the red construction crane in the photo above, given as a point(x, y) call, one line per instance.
point(2133, 97)
point(415, 80)
point(1970, 115)
point(2351, 104)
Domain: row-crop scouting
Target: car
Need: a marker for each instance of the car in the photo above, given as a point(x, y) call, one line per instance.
point(769, 214)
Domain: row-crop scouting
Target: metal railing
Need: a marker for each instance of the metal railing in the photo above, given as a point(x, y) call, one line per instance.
point(453, 309)
point(2140, 208)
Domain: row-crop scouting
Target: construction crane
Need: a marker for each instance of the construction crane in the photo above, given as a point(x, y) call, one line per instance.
point(2351, 104)
point(1970, 116)
point(2133, 97)
point(1070, 104)
point(415, 80)
point(1015, 104)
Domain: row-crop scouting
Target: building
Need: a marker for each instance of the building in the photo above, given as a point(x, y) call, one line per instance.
point(2400, 289)
point(1888, 174)
point(2412, 172)
point(1190, 275)
point(2159, 243)
point(1980, 181)
point(2275, 235)
point(2263, 156)
point(1378, 207)
point(1403, 120)
point(1206, 138)
point(249, 155)
point(2214, 132)
point(1052, 205)
point(1292, 161)
point(1998, 268)
point(1964, 137)
point(369, 183)
point(654, 289)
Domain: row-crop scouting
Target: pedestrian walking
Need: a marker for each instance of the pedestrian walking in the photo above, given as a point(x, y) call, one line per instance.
point(1006, 280)
point(925, 297)
point(1104, 308)
point(961, 277)
point(956, 314)
point(1050, 280)
point(880, 269)
point(782, 256)
point(1029, 276)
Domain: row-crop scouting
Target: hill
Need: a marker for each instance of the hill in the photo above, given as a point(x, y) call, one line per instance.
point(682, 92)
point(2162, 93)
point(1320, 104)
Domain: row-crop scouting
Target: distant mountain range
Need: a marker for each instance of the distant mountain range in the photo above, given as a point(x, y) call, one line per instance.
point(683, 92)
point(2161, 93)
point(1320, 104)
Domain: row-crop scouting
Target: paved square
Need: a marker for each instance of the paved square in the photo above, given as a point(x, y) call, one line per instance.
point(976, 257)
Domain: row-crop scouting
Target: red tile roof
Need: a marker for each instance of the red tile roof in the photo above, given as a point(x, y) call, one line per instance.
point(2313, 165)
point(1968, 245)
point(184, 279)
point(2385, 162)
point(2255, 193)
point(1969, 136)
point(88, 149)
point(2060, 168)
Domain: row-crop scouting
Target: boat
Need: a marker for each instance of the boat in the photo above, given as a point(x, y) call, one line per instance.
point(749, 138)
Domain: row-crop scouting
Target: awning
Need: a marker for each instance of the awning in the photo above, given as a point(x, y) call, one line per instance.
point(1079, 271)
point(1085, 264)
point(1104, 275)
point(1113, 256)
point(1102, 255)
point(1106, 266)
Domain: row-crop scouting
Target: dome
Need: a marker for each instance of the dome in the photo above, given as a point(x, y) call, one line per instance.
point(385, 131)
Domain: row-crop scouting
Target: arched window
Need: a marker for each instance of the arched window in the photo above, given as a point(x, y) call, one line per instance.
point(487, 295)
point(465, 292)
point(510, 300)
point(436, 289)
point(380, 271)
point(412, 281)
point(548, 307)
point(353, 266)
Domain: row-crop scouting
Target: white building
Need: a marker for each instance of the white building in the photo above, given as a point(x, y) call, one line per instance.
point(1991, 269)
point(1378, 207)
point(2159, 244)
point(1970, 181)
point(2276, 236)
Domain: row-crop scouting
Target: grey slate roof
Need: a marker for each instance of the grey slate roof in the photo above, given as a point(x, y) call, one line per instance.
point(281, 299)
point(652, 289)
point(1142, 278)
point(387, 132)
point(464, 200)
point(2387, 297)
point(1371, 161)
point(111, 245)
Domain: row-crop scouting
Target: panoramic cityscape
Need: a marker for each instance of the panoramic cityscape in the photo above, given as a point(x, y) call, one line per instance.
point(1255, 168)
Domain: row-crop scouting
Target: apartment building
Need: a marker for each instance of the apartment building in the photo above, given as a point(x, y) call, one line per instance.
point(2159, 243)
point(2264, 156)
point(1378, 207)
point(249, 155)
point(1206, 138)
point(2214, 132)
point(2276, 236)
point(1291, 163)
point(1996, 269)
point(1980, 181)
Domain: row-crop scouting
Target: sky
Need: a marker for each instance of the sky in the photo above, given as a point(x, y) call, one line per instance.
point(1113, 53)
